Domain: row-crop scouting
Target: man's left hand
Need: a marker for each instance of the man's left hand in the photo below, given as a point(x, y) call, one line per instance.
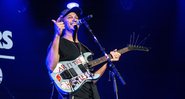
point(115, 55)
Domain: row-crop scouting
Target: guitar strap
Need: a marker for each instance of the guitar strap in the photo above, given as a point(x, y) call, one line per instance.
point(79, 46)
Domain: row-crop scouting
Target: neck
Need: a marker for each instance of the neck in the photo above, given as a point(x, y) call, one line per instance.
point(69, 36)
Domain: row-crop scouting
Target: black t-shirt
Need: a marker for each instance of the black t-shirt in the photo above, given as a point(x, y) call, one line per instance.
point(69, 51)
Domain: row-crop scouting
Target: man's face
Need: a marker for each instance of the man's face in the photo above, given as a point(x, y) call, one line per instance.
point(70, 21)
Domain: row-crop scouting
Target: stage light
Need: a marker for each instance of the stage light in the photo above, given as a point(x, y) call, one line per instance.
point(72, 4)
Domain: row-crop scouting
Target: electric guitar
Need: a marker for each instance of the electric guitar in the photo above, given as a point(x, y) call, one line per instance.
point(69, 76)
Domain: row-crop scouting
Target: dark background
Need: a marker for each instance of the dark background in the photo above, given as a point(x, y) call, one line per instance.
point(157, 74)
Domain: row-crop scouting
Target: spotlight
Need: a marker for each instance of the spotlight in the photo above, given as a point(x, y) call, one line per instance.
point(72, 4)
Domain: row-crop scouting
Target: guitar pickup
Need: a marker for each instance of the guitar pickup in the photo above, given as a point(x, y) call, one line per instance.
point(66, 75)
point(72, 71)
point(82, 68)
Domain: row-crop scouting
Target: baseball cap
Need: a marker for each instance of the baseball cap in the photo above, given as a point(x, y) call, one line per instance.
point(76, 10)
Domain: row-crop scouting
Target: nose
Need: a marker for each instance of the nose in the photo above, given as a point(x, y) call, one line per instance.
point(74, 20)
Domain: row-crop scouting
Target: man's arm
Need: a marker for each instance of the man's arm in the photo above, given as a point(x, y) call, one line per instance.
point(52, 57)
point(115, 57)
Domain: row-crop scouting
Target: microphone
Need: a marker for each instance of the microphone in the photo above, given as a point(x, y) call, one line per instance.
point(83, 20)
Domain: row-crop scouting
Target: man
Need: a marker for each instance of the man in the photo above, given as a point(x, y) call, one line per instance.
point(66, 46)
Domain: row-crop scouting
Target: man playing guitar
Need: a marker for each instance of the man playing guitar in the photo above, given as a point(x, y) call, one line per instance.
point(66, 47)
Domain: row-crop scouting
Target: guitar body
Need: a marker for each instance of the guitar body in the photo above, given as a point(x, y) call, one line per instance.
point(69, 76)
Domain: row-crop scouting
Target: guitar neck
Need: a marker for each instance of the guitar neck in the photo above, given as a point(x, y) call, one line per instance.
point(104, 58)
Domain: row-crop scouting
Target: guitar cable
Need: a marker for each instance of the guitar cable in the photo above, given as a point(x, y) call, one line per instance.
point(52, 90)
point(8, 91)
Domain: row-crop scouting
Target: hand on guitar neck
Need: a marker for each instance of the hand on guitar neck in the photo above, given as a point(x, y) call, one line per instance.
point(115, 55)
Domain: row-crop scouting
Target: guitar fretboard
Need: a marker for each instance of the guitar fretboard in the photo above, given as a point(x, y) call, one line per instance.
point(104, 58)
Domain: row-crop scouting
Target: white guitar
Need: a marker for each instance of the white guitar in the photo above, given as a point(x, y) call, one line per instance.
point(69, 76)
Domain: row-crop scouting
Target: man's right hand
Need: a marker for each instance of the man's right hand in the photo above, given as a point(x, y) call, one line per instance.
point(58, 26)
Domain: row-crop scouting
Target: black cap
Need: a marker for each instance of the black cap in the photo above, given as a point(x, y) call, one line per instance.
point(76, 10)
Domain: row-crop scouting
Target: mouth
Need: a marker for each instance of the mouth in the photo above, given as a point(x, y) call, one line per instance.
point(73, 23)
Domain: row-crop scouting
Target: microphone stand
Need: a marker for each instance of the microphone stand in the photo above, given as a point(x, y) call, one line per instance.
point(114, 83)
point(112, 67)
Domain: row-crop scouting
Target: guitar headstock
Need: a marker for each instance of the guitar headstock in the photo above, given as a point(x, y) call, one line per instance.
point(137, 48)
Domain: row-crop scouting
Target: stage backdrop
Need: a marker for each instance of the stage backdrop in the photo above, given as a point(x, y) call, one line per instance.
point(26, 31)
